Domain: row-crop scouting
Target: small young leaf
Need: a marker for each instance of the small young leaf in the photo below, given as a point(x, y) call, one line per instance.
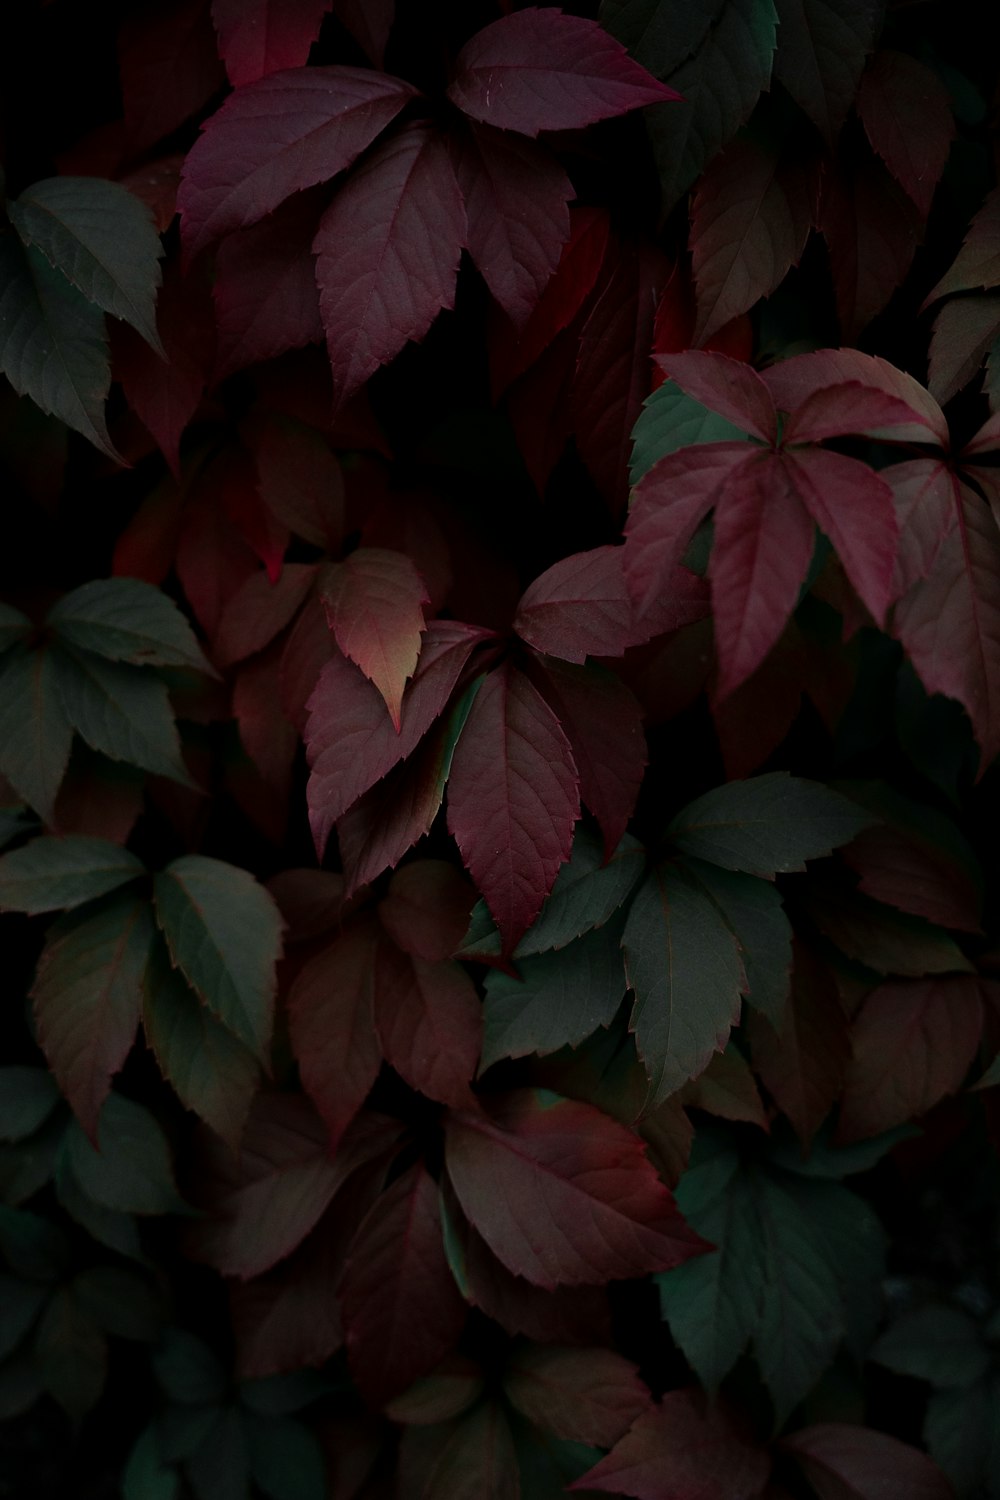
point(53, 874)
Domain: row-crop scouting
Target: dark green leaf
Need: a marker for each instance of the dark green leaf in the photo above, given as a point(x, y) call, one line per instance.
point(121, 712)
point(124, 619)
point(27, 1098)
point(753, 911)
point(32, 1246)
point(853, 1244)
point(937, 1343)
point(35, 734)
point(71, 1353)
point(834, 1162)
point(281, 1395)
point(118, 1231)
point(962, 1432)
point(671, 419)
point(14, 626)
point(131, 1170)
point(25, 1168)
point(101, 238)
point(20, 1304)
point(52, 874)
point(286, 1460)
point(187, 1369)
point(220, 1469)
point(14, 821)
point(224, 934)
point(120, 1301)
point(181, 1430)
point(20, 1386)
point(660, 34)
point(822, 48)
point(146, 1476)
point(586, 894)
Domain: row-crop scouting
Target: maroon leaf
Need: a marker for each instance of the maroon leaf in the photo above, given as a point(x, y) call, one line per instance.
point(259, 610)
point(402, 1310)
point(804, 1066)
point(580, 1395)
point(681, 1450)
point(872, 230)
point(430, 1024)
point(977, 265)
point(906, 112)
point(266, 35)
point(517, 221)
point(857, 1463)
point(964, 332)
point(276, 137)
point(374, 604)
point(307, 649)
point(290, 1317)
point(388, 249)
point(540, 1163)
point(579, 607)
point(426, 909)
point(478, 1461)
point(513, 799)
point(913, 1042)
point(915, 874)
point(541, 70)
point(726, 1089)
point(169, 69)
point(726, 386)
point(299, 479)
point(267, 737)
point(369, 22)
point(793, 381)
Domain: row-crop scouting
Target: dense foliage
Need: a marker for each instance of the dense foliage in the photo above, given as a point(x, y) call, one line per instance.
point(499, 691)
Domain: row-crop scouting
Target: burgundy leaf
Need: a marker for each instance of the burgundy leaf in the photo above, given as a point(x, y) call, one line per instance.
point(752, 721)
point(804, 1065)
point(268, 738)
point(540, 1163)
point(542, 70)
point(307, 649)
point(260, 528)
point(965, 330)
point(259, 610)
point(838, 410)
point(298, 478)
point(822, 47)
point(169, 69)
point(906, 112)
point(426, 909)
point(976, 267)
point(579, 607)
point(266, 36)
point(369, 22)
point(277, 136)
point(854, 507)
point(580, 1395)
point(899, 867)
point(388, 249)
point(374, 604)
point(793, 381)
point(430, 1024)
point(213, 561)
point(478, 1460)
point(513, 799)
point(872, 230)
point(726, 386)
point(843, 1462)
point(290, 1317)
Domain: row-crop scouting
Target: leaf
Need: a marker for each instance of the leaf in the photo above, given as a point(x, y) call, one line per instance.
point(21, 1305)
point(767, 824)
point(299, 479)
point(146, 1477)
point(540, 1162)
point(960, 1432)
point(977, 265)
point(387, 250)
point(102, 239)
point(872, 230)
point(912, 1044)
point(515, 197)
point(479, 1460)
point(683, 964)
point(265, 37)
point(680, 1449)
point(906, 112)
point(512, 799)
point(124, 619)
point(854, 1463)
point(71, 1354)
point(35, 735)
point(402, 1310)
point(159, 41)
point(27, 1098)
point(259, 610)
point(186, 1369)
point(290, 1316)
point(53, 874)
point(14, 626)
point(374, 604)
point(275, 137)
point(670, 420)
point(658, 40)
point(53, 345)
point(937, 1343)
point(822, 47)
point(120, 711)
point(286, 1459)
point(130, 1169)
point(579, 1395)
point(803, 1061)
point(964, 333)
point(579, 607)
point(885, 941)
point(540, 70)
point(370, 22)
point(752, 909)
point(120, 1301)
point(429, 1023)
point(224, 933)
point(792, 382)
point(86, 998)
point(426, 909)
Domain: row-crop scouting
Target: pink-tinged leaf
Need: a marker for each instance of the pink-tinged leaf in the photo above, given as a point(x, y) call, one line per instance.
point(351, 741)
point(169, 69)
point(541, 70)
point(762, 547)
point(298, 478)
point(579, 607)
point(402, 1310)
point(913, 1042)
point(804, 1066)
point(387, 250)
point(840, 410)
point(906, 112)
point(260, 610)
point(478, 1461)
point(277, 136)
point(580, 1395)
point(369, 22)
point(539, 1163)
point(266, 36)
point(374, 604)
point(613, 376)
point(266, 300)
point(726, 386)
point(517, 220)
point(750, 218)
point(899, 867)
point(308, 647)
point(513, 799)
point(603, 722)
point(426, 909)
point(854, 507)
point(872, 230)
point(964, 332)
point(976, 267)
point(842, 1462)
point(681, 1450)
point(331, 1022)
point(668, 504)
point(290, 1317)
point(430, 1023)
point(949, 624)
point(793, 381)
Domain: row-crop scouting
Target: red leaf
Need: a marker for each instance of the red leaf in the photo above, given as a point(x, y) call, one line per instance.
point(579, 1395)
point(872, 231)
point(899, 867)
point(540, 70)
point(268, 738)
point(350, 739)
point(290, 1317)
point(426, 909)
point(539, 407)
point(369, 22)
point(430, 1024)
point(213, 561)
point(854, 507)
point(277, 136)
point(839, 410)
point(265, 293)
point(541, 1163)
point(265, 36)
point(579, 607)
point(793, 381)
point(913, 1041)
point(260, 610)
point(388, 249)
point(804, 1066)
point(308, 647)
point(750, 218)
point(331, 1022)
point(402, 1310)
point(517, 221)
point(681, 1450)
point(298, 478)
point(603, 723)
point(906, 112)
point(373, 602)
point(726, 386)
point(857, 1463)
point(145, 548)
point(258, 526)
point(673, 331)
point(310, 901)
point(513, 799)
point(404, 523)
point(169, 69)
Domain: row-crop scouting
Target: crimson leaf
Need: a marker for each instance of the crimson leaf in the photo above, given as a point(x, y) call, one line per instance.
point(266, 36)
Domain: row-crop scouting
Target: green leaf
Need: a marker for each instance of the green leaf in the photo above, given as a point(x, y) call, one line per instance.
point(35, 734)
point(681, 960)
point(27, 1098)
point(181, 1430)
point(71, 1354)
point(57, 873)
point(146, 1476)
point(25, 1168)
point(559, 999)
point(118, 1231)
point(53, 343)
point(281, 1395)
point(131, 1170)
point(14, 626)
point(120, 1301)
point(187, 1370)
point(33, 1247)
point(224, 933)
point(121, 712)
point(962, 1432)
point(753, 911)
point(124, 619)
point(853, 1243)
point(87, 994)
point(937, 1343)
point(20, 1304)
point(286, 1460)
point(219, 1470)
point(671, 419)
point(102, 238)
point(834, 1162)
point(14, 821)
point(660, 34)
point(212, 1072)
point(767, 824)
